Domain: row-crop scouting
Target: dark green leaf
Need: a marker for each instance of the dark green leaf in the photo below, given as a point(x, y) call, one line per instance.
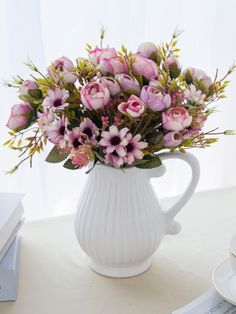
point(35, 93)
point(151, 163)
point(55, 156)
point(68, 165)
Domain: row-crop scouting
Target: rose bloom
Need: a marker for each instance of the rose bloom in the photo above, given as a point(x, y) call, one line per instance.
point(134, 107)
point(21, 117)
point(26, 86)
point(154, 99)
point(144, 67)
point(172, 139)
point(148, 50)
point(98, 54)
point(65, 68)
point(114, 65)
point(191, 74)
point(111, 84)
point(127, 84)
point(94, 95)
point(176, 119)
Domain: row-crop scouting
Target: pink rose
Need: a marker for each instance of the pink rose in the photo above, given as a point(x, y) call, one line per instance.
point(172, 139)
point(26, 86)
point(148, 49)
point(94, 96)
point(98, 54)
point(144, 67)
point(127, 84)
point(134, 107)
point(114, 65)
point(172, 64)
point(65, 68)
point(198, 121)
point(154, 99)
point(111, 84)
point(176, 119)
point(21, 117)
point(192, 75)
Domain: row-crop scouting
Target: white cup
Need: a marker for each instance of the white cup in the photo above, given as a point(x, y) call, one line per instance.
point(232, 252)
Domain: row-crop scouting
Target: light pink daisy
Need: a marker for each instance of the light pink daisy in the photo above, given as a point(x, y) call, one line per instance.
point(134, 148)
point(46, 118)
point(89, 130)
point(57, 132)
point(56, 99)
point(114, 159)
point(75, 139)
point(114, 140)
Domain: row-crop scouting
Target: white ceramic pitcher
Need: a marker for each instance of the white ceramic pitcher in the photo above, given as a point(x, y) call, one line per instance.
point(119, 222)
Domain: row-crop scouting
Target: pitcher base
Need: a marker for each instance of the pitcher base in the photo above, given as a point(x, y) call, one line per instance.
point(122, 272)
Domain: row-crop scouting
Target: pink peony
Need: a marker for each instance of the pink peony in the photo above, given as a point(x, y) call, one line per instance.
point(26, 86)
point(127, 84)
point(94, 96)
point(111, 84)
point(56, 99)
point(98, 54)
point(172, 139)
point(176, 119)
point(134, 107)
point(144, 67)
point(62, 68)
point(21, 117)
point(154, 99)
point(114, 140)
point(114, 65)
point(134, 148)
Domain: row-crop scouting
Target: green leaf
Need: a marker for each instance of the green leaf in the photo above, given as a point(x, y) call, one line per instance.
point(153, 162)
point(35, 93)
point(55, 156)
point(68, 165)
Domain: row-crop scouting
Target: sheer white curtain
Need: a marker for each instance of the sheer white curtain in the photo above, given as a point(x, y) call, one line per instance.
point(44, 30)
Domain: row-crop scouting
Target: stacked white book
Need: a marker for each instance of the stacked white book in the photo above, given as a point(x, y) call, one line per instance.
point(11, 219)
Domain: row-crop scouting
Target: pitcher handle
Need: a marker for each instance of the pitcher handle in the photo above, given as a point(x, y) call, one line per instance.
point(174, 227)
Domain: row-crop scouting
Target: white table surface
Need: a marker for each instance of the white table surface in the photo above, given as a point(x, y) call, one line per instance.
point(55, 277)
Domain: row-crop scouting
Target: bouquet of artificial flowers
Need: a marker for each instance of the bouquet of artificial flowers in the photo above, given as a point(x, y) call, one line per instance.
point(115, 107)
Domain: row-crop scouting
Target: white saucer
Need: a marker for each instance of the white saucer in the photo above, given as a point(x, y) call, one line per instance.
point(224, 280)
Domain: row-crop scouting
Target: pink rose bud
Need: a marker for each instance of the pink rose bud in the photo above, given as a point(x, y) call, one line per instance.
point(188, 133)
point(148, 50)
point(127, 84)
point(172, 139)
point(176, 119)
point(154, 99)
point(98, 54)
point(134, 107)
point(198, 121)
point(65, 68)
point(111, 84)
point(21, 117)
point(94, 96)
point(144, 67)
point(115, 65)
point(172, 64)
point(199, 78)
point(26, 86)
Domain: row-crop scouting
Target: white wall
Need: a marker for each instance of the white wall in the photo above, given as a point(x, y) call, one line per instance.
point(44, 30)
